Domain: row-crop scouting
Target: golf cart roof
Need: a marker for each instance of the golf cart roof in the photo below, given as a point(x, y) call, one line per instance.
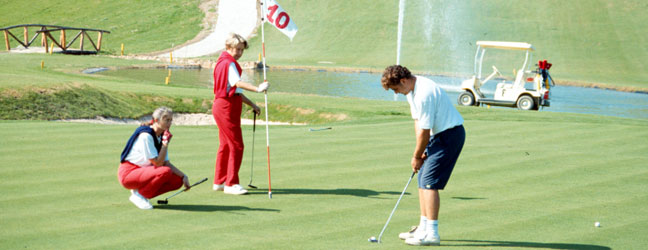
point(505, 45)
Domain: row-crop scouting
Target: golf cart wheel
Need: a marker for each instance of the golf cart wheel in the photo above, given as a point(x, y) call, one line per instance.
point(525, 102)
point(466, 99)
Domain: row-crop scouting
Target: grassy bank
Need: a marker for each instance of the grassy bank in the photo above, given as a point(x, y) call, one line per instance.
point(589, 42)
point(141, 26)
point(60, 91)
point(439, 36)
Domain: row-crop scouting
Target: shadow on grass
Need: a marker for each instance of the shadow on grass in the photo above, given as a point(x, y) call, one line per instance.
point(212, 208)
point(519, 244)
point(339, 191)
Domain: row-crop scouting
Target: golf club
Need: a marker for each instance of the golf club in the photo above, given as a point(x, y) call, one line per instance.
point(319, 129)
point(373, 239)
point(166, 201)
point(252, 160)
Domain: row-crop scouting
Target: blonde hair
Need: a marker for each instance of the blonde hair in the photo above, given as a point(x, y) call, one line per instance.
point(234, 40)
point(158, 114)
point(162, 111)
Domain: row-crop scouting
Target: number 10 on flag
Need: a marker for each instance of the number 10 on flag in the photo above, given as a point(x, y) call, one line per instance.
point(278, 17)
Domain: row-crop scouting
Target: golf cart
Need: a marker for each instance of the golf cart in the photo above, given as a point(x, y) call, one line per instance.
point(508, 94)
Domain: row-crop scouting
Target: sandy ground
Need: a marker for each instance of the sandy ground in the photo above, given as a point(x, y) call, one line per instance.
point(178, 120)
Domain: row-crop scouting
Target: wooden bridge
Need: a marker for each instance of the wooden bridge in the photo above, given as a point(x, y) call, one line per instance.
point(46, 33)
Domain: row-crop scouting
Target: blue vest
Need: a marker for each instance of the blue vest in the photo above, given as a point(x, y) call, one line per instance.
point(131, 141)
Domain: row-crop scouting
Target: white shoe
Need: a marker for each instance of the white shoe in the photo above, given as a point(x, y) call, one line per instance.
point(408, 234)
point(429, 240)
point(139, 200)
point(235, 189)
point(220, 187)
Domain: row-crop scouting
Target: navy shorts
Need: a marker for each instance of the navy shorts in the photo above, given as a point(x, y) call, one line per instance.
point(442, 153)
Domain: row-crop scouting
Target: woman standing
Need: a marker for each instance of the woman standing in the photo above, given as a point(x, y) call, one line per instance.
point(145, 168)
point(228, 99)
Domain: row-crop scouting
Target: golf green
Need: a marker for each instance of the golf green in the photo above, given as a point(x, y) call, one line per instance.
point(538, 182)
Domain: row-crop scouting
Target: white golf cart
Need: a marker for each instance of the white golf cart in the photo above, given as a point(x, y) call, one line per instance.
point(508, 94)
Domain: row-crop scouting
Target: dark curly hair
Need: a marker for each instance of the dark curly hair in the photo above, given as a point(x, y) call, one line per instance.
point(393, 74)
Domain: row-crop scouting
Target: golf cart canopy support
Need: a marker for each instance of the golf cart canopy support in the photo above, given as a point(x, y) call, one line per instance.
point(481, 50)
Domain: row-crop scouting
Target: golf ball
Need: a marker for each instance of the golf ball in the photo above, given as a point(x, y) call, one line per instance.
point(372, 239)
point(597, 224)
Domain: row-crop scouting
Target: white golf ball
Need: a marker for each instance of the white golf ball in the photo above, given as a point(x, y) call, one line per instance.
point(597, 224)
point(372, 239)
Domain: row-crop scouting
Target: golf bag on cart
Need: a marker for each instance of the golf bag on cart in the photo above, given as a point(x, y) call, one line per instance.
point(543, 69)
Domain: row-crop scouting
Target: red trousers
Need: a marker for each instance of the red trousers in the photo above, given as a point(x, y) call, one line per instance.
point(227, 114)
point(149, 181)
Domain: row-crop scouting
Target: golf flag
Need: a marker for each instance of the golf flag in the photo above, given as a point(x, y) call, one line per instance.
point(278, 17)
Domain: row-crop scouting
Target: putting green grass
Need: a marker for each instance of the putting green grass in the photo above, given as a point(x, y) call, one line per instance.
point(524, 180)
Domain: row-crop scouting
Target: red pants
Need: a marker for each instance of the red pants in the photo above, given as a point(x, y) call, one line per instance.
point(227, 114)
point(149, 181)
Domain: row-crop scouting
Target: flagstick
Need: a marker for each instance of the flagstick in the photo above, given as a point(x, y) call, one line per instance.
point(266, 96)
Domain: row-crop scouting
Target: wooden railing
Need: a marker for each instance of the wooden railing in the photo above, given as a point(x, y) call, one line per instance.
point(46, 33)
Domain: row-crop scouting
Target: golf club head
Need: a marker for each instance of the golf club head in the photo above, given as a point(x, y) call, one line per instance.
point(162, 202)
point(252, 186)
point(373, 239)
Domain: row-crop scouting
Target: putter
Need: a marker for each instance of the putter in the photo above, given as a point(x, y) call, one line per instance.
point(319, 129)
point(166, 201)
point(252, 160)
point(373, 239)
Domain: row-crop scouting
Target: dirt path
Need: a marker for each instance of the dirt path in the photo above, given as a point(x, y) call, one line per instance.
point(222, 17)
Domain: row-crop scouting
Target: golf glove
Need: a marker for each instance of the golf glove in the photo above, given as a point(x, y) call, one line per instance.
point(166, 137)
point(263, 87)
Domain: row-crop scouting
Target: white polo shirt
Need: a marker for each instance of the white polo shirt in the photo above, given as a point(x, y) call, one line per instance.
point(232, 78)
point(143, 150)
point(430, 105)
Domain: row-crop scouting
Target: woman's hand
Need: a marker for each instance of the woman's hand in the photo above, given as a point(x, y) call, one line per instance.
point(263, 87)
point(185, 181)
point(166, 137)
point(256, 109)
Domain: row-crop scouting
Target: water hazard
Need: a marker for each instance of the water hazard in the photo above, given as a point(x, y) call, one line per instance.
point(367, 85)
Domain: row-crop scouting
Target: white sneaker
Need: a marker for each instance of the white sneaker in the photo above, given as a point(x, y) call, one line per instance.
point(235, 189)
point(220, 187)
point(408, 234)
point(429, 240)
point(139, 200)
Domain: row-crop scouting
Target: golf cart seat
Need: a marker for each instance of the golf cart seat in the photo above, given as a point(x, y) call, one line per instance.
point(476, 86)
point(519, 79)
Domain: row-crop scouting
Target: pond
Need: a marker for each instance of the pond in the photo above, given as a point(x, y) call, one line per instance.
point(367, 85)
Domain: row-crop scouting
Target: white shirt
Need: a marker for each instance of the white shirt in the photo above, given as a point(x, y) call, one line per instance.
point(430, 105)
point(232, 78)
point(143, 150)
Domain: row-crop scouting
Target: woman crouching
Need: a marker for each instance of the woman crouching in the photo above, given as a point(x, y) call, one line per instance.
point(145, 168)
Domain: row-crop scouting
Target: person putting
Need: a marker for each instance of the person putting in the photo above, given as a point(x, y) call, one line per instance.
point(440, 136)
point(145, 168)
point(228, 99)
